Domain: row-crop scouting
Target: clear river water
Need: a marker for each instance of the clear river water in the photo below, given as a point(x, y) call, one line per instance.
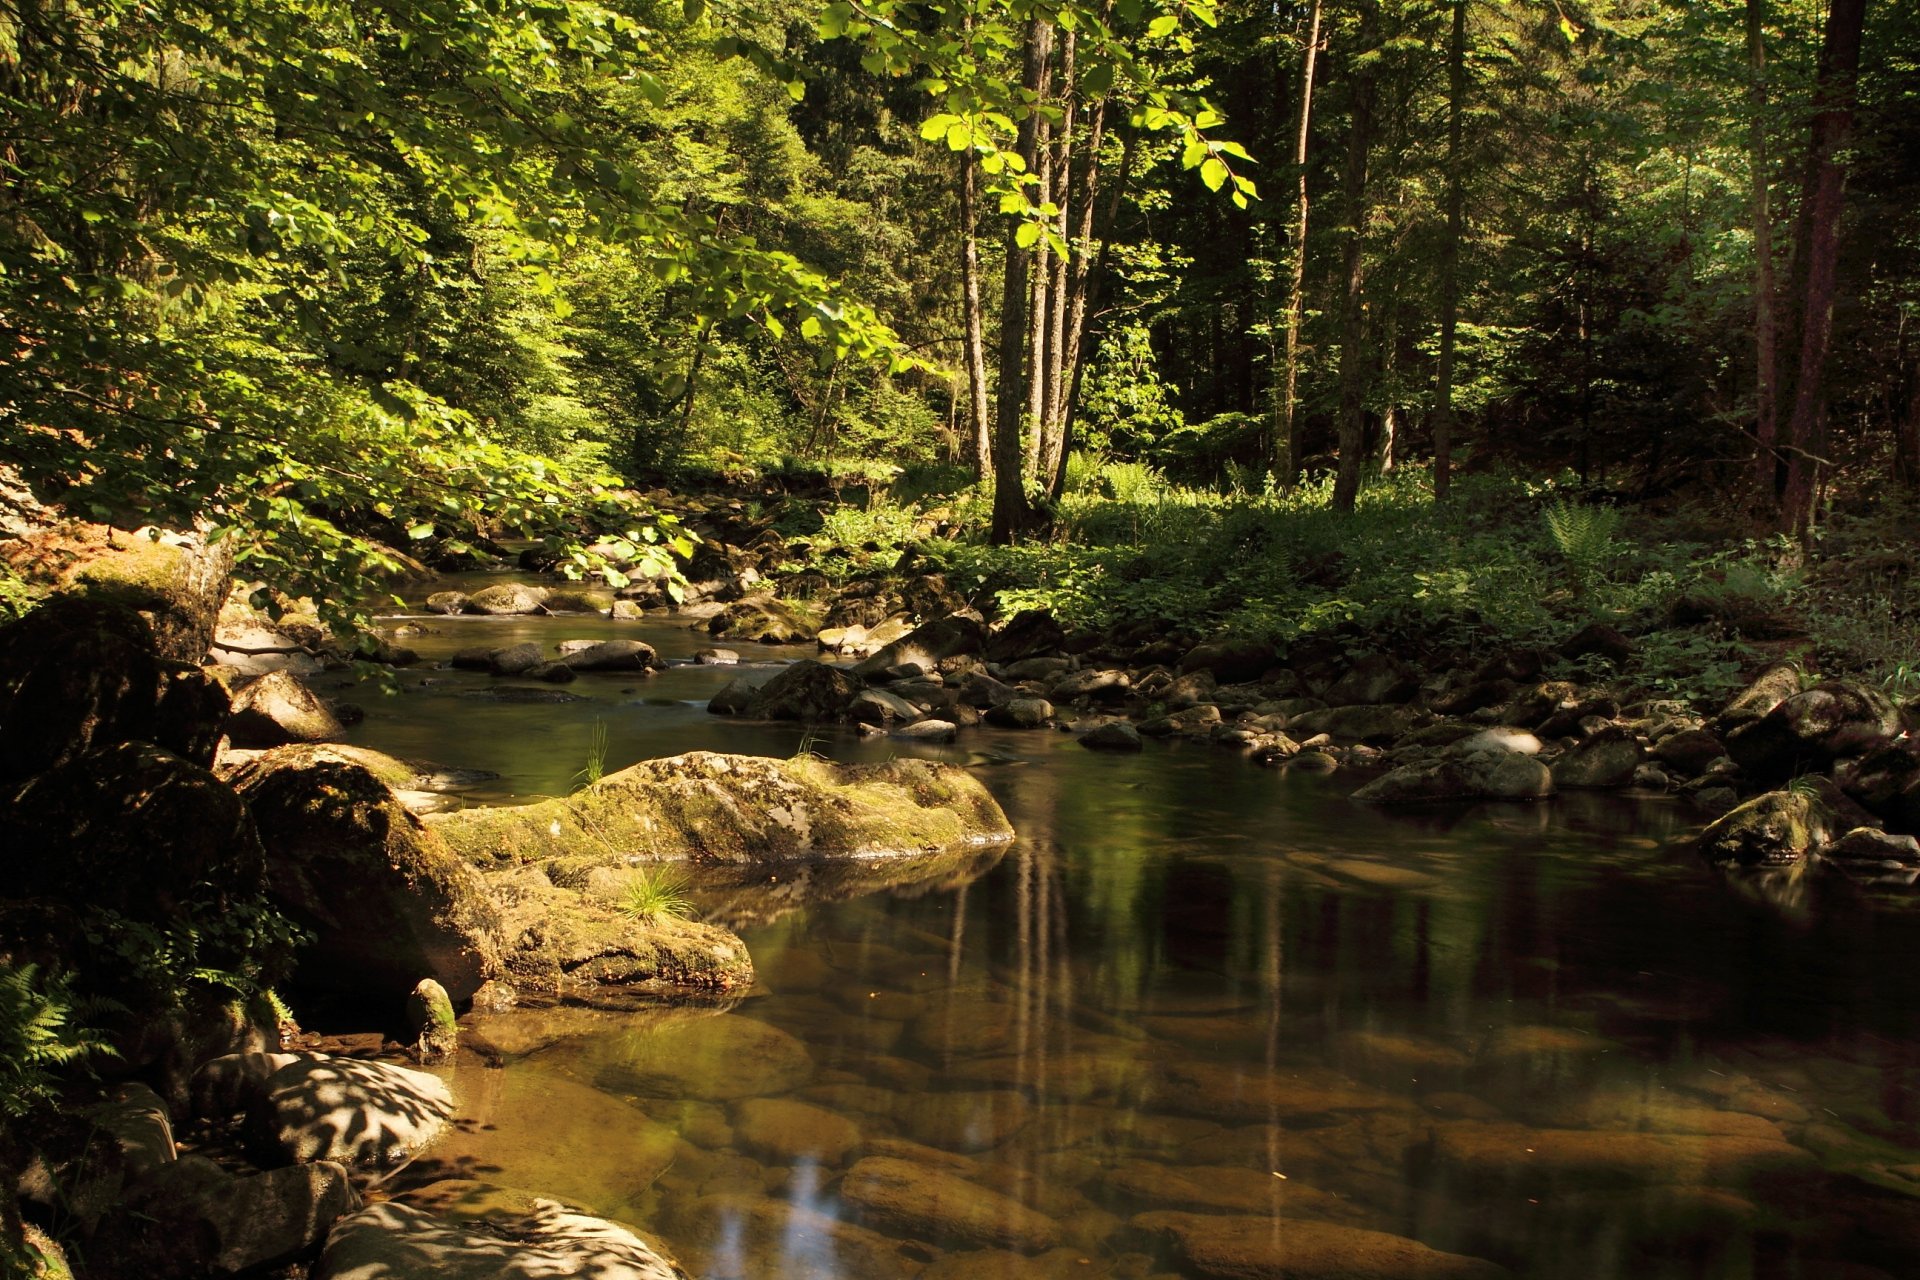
point(1202, 1018)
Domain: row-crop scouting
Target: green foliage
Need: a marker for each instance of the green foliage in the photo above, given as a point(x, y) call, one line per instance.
point(660, 894)
point(1584, 535)
point(43, 1033)
point(1083, 473)
point(595, 767)
point(17, 597)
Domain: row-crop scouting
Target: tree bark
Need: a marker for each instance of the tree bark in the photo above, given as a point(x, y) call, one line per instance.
point(1010, 513)
point(1041, 165)
point(1765, 330)
point(978, 447)
point(1053, 421)
point(1804, 436)
point(1443, 419)
point(1353, 320)
point(1284, 447)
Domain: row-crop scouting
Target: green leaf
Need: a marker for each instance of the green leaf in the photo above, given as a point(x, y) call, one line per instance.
point(1213, 172)
point(420, 532)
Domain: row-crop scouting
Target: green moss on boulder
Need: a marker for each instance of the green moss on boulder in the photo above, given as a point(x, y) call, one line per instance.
point(714, 808)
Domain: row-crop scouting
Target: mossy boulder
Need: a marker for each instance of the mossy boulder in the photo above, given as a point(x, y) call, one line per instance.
point(387, 901)
point(763, 619)
point(132, 828)
point(713, 808)
point(1604, 761)
point(1813, 728)
point(929, 645)
point(175, 581)
point(1772, 830)
point(562, 939)
point(78, 675)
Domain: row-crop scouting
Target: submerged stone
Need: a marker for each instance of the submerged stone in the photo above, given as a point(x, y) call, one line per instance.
point(1263, 1248)
point(723, 1057)
point(917, 1200)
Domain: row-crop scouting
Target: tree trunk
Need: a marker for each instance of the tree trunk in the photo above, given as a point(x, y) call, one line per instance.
point(1053, 421)
point(1284, 448)
point(1040, 162)
point(1765, 330)
point(1353, 319)
point(1009, 456)
point(1086, 301)
point(1443, 419)
point(978, 446)
point(1805, 430)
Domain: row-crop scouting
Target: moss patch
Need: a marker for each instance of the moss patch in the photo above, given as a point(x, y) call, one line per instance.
point(707, 807)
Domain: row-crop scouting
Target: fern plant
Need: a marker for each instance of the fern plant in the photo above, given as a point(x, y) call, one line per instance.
point(40, 1034)
point(1584, 536)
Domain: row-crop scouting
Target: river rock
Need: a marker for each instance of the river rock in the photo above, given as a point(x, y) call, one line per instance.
point(1105, 685)
point(613, 655)
point(397, 1242)
point(1769, 689)
point(929, 645)
point(1598, 640)
point(1262, 1248)
point(1030, 633)
point(716, 658)
point(1374, 680)
point(1503, 775)
point(1021, 713)
point(735, 697)
point(133, 829)
point(1357, 723)
point(1605, 760)
point(1568, 1160)
point(1876, 857)
point(1230, 661)
point(278, 709)
point(1689, 751)
point(513, 660)
point(1221, 1189)
point(752, 1236)
point(350, 1110)
point(967, 1120)
point(786, 1132)
point(1772, 830)
point(741, 809)
point(1810, 730)
point(808, 691)
point(928, 731)
point(226, 1225)
point(386, 900)
point(719, 1059)
point(447, 602)
point(880, 706)
point(763, 620)
point(911, 1199)
point(78, 675)
point(557, 939)
point(1115, 735)
point(508, 598)
point(1887, 783)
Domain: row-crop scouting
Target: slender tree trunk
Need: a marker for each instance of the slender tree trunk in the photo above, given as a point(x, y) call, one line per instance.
point(1443, 419)
point(1088, 302)
point(1053, 423)
point(1080, 277)
point(1765, 330)
point(1285, 446)
point(1353, 319)
point(978, 447)
point(1041, 164)
point(1010, 511)
point(1805, 430)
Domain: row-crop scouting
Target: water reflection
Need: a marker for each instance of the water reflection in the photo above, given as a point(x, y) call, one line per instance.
point(1207, 1019)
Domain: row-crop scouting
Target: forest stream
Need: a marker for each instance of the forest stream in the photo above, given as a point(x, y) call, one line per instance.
point(1541, 1035)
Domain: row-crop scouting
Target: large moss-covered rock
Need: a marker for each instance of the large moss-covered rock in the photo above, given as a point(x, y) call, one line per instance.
point(720, 808)
point(929, 645)
point(1606, 760)
point(763, 619)
point(560, 939)
point(388, 903)
point(175, 581)
point(1772, 830)
point(77, 675)
point(132, 828)
point(1812, 729)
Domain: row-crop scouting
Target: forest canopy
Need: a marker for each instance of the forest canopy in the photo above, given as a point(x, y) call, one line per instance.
point(342, 276)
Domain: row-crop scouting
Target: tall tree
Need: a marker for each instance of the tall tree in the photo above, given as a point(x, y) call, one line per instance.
point(1443, 417)
point(1355, 359)
point(1010, 510)
point(1765, 329)
point(1836, 86)
point(1283, 452)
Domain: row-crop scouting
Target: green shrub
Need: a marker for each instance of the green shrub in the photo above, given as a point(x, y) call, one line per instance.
point(43, 1031)
point(660, 894)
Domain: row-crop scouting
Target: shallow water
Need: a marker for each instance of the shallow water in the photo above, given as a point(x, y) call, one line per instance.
point(1295, 1033)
